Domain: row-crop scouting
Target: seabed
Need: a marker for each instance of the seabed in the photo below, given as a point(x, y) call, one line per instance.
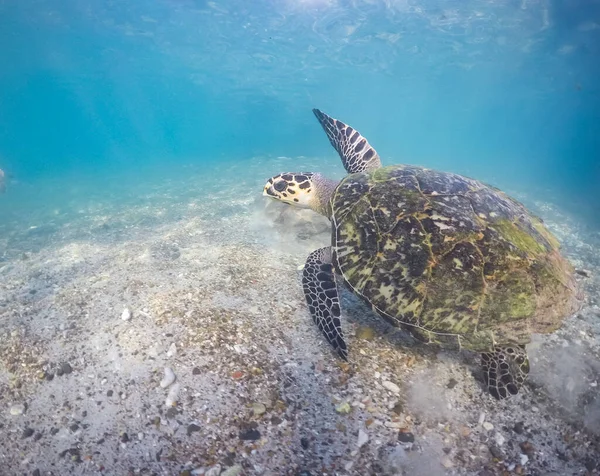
point(105, 289)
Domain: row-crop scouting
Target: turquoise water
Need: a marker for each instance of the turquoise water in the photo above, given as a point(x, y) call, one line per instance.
point(506, 92)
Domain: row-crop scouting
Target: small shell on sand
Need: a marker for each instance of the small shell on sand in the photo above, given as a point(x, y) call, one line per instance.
point(17, 409)
point(392, 387)
point(126, 315)
point(214, 471)
point(233, 471)
point(171, 400)
point(168, 379)
point(363, 438)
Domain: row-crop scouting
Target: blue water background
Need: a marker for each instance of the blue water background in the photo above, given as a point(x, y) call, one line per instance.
point(504, 91)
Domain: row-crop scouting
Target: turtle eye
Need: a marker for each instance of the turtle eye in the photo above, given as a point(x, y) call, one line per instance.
point(280, 185)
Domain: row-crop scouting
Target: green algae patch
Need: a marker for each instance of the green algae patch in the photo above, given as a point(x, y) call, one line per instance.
point(384, 173)
point(548, 236)
point(512, 233)
point(511, 298)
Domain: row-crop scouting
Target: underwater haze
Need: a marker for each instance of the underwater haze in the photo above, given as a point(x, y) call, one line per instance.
point(152, 314)
point(504, 91)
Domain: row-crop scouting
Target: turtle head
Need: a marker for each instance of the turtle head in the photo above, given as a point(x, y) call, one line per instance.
point(291, 188)
point(301, 189)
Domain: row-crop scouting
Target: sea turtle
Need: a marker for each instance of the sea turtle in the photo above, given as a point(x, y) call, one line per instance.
point(451, 259)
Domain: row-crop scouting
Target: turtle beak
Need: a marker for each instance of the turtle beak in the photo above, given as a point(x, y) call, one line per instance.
point(268, 191)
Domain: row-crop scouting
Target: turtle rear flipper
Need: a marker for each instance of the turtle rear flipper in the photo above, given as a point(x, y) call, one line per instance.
point(320, 290)
point(505, 370)
point(355, 151)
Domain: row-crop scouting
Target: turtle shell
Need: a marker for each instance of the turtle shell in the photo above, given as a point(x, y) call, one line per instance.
point(457, 262)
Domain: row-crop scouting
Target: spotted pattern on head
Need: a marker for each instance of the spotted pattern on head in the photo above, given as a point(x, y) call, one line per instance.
point(355, 151)
point(291, 188)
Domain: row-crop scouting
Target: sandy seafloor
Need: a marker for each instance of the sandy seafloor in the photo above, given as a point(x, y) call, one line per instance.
point(210, 273)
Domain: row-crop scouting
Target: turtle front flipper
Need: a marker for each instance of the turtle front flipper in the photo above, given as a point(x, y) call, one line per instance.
point(356, 153)
point(320, 290)
point(505, 370)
